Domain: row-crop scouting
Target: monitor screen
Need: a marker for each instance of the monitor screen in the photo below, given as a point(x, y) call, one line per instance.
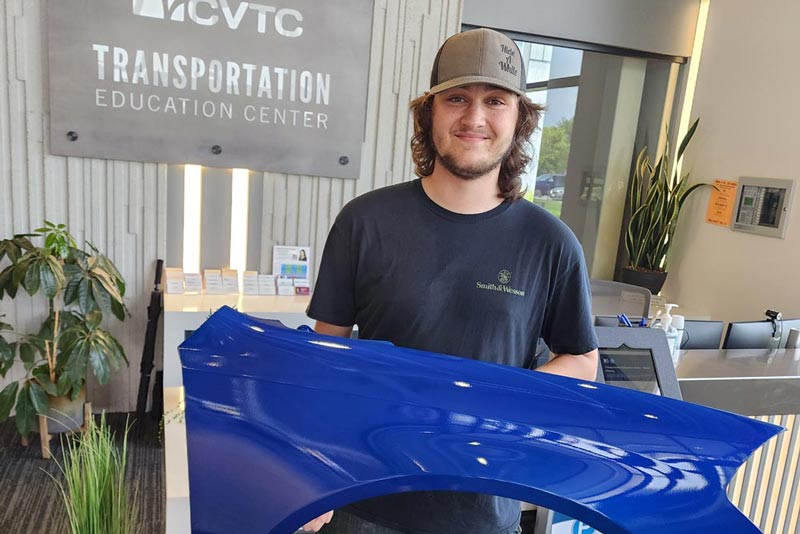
point(630, 368)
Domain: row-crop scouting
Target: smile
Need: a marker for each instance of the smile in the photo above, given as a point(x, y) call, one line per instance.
point(471, 137)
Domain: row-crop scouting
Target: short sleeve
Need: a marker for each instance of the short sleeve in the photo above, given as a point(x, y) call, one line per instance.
point(333, 299)
point(568, 326)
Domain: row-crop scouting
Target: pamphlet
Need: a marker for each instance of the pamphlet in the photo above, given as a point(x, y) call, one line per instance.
point(230, 281)
point(174, 278)
point(285, 286)
point(250, 283)
point(301, 286)
point(266, 284)
point(193, 282)
point(213, 280)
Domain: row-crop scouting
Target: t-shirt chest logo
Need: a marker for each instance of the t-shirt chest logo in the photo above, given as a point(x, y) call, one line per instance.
point(504, 277)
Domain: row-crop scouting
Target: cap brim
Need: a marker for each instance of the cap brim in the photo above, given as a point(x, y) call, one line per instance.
point(467, 80)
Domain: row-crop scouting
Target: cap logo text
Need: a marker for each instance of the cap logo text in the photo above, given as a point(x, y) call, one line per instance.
point(506, 65)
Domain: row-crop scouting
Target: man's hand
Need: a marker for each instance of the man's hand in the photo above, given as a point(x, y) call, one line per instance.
point(318, 523)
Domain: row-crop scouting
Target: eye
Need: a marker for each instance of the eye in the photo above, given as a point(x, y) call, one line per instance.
point(497, 102)
point(455, 98)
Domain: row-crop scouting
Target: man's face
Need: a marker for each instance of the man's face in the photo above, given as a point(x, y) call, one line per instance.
point(473, 128)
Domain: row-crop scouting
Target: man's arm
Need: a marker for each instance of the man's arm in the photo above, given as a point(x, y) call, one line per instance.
point(581, 366)
point(332, 329)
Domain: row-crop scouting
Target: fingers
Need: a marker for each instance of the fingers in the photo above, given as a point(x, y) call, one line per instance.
point(318, 523)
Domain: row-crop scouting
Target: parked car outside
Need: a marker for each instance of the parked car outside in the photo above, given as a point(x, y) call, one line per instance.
point(557, 193)
point(546, 182)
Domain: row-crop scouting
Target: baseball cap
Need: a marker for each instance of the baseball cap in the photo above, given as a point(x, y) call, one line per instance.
point(478, 56)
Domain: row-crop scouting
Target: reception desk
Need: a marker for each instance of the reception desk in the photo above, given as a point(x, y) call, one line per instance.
point(764, 384)
point(183, 314)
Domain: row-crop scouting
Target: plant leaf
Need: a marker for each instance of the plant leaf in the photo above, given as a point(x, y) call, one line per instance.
point(63, 385)
point(7, 363)
point(77, 361)
point(99, 363)
point(71, 291)
point(118, 310)
point(6, 353)
point(7, 398)
point(31, 280)
point(93, 319)
point(85, 300)
point(38, 398)
point(26, 415)
point(42, 376)
point(101, 296)
point(27, 355)
point(687, 138)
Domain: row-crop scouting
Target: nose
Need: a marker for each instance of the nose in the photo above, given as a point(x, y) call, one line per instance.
point(474, 115)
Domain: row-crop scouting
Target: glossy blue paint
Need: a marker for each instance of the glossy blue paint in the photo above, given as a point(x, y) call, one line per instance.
point(283, 425)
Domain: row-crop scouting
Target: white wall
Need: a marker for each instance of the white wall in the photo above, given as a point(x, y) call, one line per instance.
point(746, 99)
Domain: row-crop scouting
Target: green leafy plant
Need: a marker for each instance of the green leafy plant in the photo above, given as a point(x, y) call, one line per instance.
point(82, 287)
point(655, 198)
point(94, 491)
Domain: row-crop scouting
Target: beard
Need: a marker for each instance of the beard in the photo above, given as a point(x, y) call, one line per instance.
point(471, 171)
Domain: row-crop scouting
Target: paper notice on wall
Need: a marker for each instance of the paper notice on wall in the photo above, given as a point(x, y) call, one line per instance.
point(720, 205)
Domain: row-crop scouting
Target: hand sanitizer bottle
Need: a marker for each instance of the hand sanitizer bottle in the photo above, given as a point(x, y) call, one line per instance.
point(677, 324)
point(672, 333)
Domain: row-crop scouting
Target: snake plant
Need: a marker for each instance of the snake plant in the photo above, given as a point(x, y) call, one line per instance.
point(656, 195)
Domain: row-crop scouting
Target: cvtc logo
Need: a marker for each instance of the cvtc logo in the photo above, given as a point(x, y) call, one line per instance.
point(211, 12)
point(504, 276)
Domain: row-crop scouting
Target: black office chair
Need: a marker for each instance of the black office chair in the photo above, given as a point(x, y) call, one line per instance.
point(701, 334)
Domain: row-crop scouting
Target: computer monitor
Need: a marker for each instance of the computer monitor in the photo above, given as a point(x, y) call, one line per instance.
point(701, 334)
point(751, 335)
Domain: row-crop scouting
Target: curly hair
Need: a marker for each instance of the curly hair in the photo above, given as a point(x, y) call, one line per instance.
point(423, 150)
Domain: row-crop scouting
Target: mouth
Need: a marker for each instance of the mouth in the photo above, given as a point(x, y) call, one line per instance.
point(471, 137)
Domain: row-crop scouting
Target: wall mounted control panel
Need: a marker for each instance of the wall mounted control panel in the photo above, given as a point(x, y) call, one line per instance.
point(762, 206)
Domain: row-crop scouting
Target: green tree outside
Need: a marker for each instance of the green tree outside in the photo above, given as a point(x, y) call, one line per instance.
point(554, 150)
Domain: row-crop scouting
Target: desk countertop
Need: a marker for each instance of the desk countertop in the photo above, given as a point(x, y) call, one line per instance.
point(739, 363)
point(745, 381)
point(243, 303)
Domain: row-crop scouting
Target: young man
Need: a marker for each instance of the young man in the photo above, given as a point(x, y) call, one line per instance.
point(456, 263)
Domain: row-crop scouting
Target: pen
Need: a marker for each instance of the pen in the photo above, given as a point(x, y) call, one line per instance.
point(624, 319)
point(643, 321)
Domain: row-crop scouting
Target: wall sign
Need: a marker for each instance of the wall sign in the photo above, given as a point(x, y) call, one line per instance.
point(720, 203)
point(270, 85)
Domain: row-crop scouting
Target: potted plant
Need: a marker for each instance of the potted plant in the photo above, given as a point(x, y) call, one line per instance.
point(655, 199)
point(94, 492)
point(82, 288)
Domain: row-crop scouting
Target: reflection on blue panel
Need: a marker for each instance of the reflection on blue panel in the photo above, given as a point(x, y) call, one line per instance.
point(284, 425)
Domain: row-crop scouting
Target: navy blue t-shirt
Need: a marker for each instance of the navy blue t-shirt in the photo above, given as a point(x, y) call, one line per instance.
point(484, 286)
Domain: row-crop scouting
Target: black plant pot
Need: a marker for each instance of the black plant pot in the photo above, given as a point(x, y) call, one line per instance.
point(652, 280)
